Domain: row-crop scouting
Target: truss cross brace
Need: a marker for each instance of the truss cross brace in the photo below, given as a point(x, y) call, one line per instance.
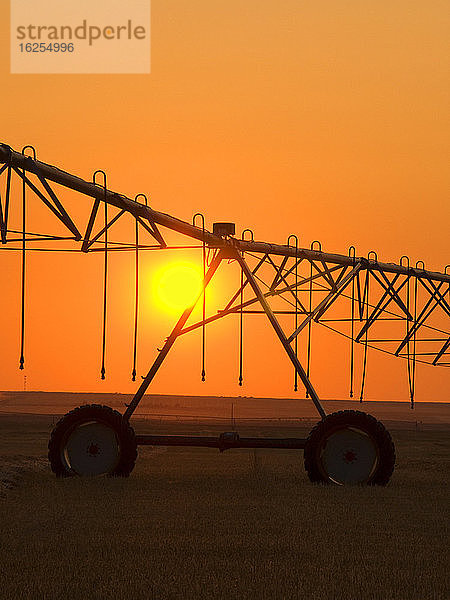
point(178, 330)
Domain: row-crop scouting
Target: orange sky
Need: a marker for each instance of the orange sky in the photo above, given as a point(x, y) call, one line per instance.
point(325, 119)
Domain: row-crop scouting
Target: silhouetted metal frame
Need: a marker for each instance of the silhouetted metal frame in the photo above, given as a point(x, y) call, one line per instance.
point(331, 272)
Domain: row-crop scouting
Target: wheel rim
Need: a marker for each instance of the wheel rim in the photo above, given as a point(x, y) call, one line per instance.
point(349, 456)
point(91, 449)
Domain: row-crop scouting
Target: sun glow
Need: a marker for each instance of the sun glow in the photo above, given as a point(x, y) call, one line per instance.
point(177, 285)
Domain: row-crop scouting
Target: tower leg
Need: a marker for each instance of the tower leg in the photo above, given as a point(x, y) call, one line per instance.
point(281, 335)
point(171, 340)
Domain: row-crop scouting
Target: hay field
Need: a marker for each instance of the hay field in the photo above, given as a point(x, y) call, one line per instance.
point(194, 523)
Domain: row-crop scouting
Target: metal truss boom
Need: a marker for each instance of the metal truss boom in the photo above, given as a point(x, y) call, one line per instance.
point(18, 160)
point(286, 281)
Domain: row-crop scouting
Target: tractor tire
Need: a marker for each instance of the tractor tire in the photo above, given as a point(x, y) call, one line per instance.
point(349, 447)
point(90, 441)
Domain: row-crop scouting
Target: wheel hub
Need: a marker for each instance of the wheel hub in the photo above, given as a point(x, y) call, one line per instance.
point(92, 449)
point(349, 456)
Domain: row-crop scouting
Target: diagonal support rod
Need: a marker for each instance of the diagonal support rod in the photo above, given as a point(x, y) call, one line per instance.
point(326, 302)
point(90, 225)
point(442, 351)
point(387, 297)
point(281, 335)
point(293, 289)
point(234, 309)
point(153, 231)
point(243, 286)
point(106, 227)
point(47, 202)
point(420, 320)
point(64, 215)
point(4, 217)
point(171, 339)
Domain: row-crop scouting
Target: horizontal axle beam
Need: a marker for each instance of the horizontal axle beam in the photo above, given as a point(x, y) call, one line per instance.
point(222, 442)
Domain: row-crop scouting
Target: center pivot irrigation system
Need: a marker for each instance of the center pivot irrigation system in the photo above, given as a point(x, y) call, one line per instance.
point(399, 309)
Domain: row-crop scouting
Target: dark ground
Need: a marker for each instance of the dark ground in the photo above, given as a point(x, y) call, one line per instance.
point(194, 523)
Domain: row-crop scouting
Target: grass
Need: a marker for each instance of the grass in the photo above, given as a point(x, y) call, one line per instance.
point(194, 523)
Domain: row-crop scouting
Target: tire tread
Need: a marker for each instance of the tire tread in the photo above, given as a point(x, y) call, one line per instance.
point(125, 433)
point(359, 419)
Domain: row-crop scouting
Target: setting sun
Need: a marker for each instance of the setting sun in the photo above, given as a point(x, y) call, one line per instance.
point(177, 285)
